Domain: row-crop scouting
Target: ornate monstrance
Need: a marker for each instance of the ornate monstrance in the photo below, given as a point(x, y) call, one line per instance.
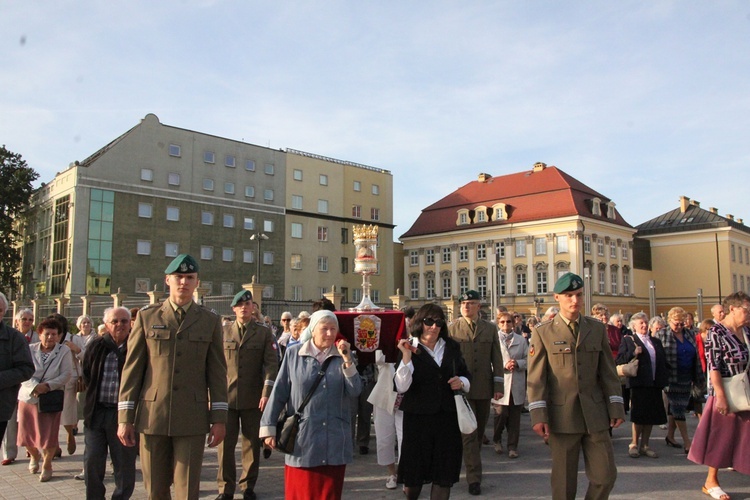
point(366, 263)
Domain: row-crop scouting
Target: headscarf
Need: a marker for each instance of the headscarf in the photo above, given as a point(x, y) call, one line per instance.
point(317, 317)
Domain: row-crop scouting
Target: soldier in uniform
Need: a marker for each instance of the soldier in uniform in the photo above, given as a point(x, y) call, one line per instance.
point(252, 365)
point(480, 347)
point(173, 388)
point(574, 394)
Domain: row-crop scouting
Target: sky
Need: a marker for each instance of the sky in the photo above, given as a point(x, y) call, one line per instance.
point(642, 101)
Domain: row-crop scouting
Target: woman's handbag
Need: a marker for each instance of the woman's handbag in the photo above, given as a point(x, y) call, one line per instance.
point(629, 369)
point(737, 389)
point(51, 402)
point(467, 421)
point(287, 427)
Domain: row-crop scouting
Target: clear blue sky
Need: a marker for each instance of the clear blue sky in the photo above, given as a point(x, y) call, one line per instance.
point(642, 101)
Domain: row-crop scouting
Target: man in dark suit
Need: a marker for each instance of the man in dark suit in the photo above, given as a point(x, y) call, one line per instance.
point(173, 388)
point(252, 365)
point(480, 347)
point(574, 394)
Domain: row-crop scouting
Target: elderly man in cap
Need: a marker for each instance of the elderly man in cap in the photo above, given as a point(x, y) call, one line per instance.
point(574, 394)
point(173, 388)
point(480, 347)
point(252, 365)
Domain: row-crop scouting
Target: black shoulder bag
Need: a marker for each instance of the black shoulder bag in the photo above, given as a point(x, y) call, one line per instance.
point(288, 425)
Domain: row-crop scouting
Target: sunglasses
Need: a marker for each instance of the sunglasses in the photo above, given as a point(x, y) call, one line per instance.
point(431, 322)
point(502, 321)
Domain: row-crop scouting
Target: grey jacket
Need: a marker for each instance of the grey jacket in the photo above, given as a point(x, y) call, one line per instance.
point(16, 366)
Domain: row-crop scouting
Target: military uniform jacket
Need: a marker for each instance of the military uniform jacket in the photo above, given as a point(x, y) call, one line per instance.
point(252, 364)
point(481, 351)
point(573, 387)
point(171, 370)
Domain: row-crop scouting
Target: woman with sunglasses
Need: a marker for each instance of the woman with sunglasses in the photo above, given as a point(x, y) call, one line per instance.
point(430, 368)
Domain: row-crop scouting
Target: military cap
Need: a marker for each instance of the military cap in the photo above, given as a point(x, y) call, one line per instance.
point(567, 283)
point(469, 295)
point(242, 296)
point(182, 264)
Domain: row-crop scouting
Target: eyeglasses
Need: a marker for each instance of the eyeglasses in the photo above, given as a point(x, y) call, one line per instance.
point(430, 322)
point(286, 319)
point(516, 316)
point(120, 321)
point(678, 323)
point(503, 321)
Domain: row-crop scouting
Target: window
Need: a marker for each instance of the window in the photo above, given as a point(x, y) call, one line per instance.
point(208, 184)
point(230, 161)
point(463, 284)
point(248, 256)
point(541, 282)
point(323, 180)
point(482, 286)
point(228, 220)
point(147, 175)
point(613, 277)
point(173, 179)
point(323, 206)
point(173, 214)
point(227, 254)
point(207, 252)
point(625, 283)
point(171, 249)
point(296, 202)
point(296, 292)
point(209, 157)
point(600, 246)
point(207, 218)
point(430, 288)
point(414, 288)
point(145, 210)
point(446, 288)
point(463, 218)
point(747, 256)
point(268, 292)
point(249, 223)
point(463, 254)
point(250, 165)
point(376, 296)
point(296, 262)
point(229, 187)
point(481, 216)
point(345, 236)
point(602, 282)
point(521, 283)
point(268, 194)
point(446, 254)
point(357, 211)
point(322, 233)
point(375, 213)
point(268, 226)
point(144, 247)
point(540, 246)
point(500, 249)
point(344, 265)
point(481, 251)
point(249, 191)
point(227, 288)
point(520, 248)
point(613, 249)
point(356, 295)
point(742, 283)
point(375, 189)
point(739, 251)
point(413, 258)
point(429, 256)
point(501, 284)
point(357, 186)
point(175, 150)
point(297, 174)
point(624, 251)
point(323, 264)
point(296, 230)
point(268, 258)
point(562, 243)
point(268, 169)
point(587, 244)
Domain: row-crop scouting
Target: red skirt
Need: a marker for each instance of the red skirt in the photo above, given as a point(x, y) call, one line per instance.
point(38, 430)
point(722, 440)
point(320, 483)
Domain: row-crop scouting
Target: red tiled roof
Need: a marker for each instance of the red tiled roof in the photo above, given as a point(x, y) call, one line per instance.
point(528, 196)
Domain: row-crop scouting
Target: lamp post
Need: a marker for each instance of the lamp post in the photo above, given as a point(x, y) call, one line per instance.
point(258, 237)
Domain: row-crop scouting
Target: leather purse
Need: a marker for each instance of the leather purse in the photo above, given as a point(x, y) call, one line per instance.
point(51, 402)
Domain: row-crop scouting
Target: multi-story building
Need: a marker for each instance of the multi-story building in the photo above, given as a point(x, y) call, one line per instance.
point(115, 220)
point(513, 236)
point(693, 257)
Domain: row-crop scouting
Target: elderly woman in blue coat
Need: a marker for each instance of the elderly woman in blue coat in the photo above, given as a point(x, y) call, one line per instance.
point(324, 443)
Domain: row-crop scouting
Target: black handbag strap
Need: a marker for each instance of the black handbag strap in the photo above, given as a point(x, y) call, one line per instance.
point(321, 373)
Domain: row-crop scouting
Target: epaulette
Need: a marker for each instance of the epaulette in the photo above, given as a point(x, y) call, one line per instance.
point(208, 309)
point(149, 306)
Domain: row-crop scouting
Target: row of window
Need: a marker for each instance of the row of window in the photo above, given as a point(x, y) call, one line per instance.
point(230, 161)
point(297, 175)
point(738, 253)
point(297, 294)
point(146, 211)
point(298, 200)
point(739, 286)
point(172, 249)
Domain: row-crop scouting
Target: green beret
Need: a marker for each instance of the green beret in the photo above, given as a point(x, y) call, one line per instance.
point(242, 296)
point(182, 264)
point(567, 283)
point(469, 295)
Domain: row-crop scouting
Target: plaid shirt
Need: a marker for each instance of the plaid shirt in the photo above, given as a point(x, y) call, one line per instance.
point(109, 383)
point(670, 348)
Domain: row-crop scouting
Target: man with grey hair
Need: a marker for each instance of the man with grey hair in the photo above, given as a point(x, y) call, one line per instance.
point(16, 366)
point(102, 369)
point(286, 333)
point(717, 311)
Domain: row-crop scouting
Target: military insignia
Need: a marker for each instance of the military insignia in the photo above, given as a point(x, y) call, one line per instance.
point(159, 327)
point(531, 350)
point(367, 332)
point(560, 342)
point(183, 267)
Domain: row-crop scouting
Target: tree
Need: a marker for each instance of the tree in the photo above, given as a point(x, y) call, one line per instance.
point(15, 192)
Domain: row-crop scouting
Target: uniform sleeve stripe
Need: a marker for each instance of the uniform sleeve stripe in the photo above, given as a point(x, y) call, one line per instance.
point(268, 382)
point(537, 405)
point(616, 399)
point(499, 379)
point(219, 406)
point(126, 405)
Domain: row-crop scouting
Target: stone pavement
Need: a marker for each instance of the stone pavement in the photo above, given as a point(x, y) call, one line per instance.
point(669, 476)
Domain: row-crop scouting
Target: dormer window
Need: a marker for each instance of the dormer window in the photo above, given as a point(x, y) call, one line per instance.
point(596, 207)
point(480, 214)
point(463, 217)
point(611, 210)
point(499, 211)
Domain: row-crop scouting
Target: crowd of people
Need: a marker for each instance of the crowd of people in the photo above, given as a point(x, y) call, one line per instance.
point(133, 384)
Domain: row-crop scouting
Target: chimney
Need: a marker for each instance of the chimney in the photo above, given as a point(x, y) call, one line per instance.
point(695, 203)
point(539, 166)
point(713, 210)
point(730, 216)
point(684, 202)
point(484, 178)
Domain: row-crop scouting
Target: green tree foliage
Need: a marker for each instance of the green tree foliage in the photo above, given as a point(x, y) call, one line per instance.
point(16, 178)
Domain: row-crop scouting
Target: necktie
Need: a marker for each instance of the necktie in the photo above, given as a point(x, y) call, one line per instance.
point(574, 328)
point(180, 313)
point(243, 329)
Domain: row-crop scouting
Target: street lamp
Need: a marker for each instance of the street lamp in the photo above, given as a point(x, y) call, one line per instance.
point(258, 237)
